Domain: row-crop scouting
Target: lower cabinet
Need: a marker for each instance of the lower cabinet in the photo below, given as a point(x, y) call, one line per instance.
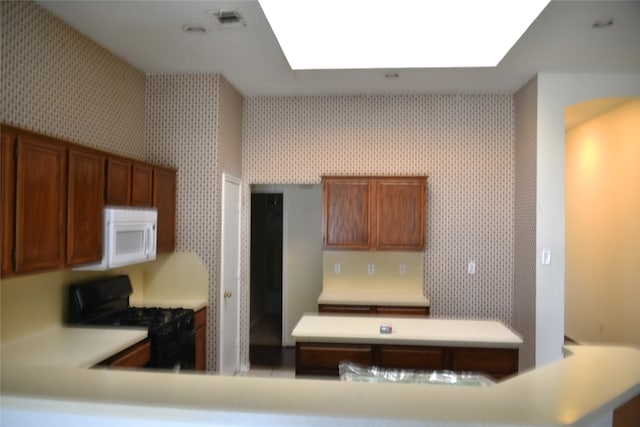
point(201, 339)
point(383, 310)
point(324, 358)
point(135, 356)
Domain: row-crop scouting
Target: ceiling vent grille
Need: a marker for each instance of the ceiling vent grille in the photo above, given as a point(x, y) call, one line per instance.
point(227, 18)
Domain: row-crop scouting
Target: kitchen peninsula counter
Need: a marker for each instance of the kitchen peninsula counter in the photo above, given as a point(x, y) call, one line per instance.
point(580, 390)
point(45, 380)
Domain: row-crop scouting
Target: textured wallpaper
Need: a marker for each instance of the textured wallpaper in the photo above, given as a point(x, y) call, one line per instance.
point(182, 132)
point(524, 316)
point(58, 82)
point(464, 143)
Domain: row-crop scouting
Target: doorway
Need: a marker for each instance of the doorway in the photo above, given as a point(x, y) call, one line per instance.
point(265, 335)
point(602, 202)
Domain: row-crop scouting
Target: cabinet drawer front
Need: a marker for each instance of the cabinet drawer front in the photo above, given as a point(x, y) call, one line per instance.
point(402, 311)
point(330, 355)
point(410, 358)
point(492, 361)
point(345, 309)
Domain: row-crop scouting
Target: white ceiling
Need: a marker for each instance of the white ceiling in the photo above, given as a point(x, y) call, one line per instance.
point(148, 35)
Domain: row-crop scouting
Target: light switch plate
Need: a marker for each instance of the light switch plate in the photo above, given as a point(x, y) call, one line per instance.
point(471, 267)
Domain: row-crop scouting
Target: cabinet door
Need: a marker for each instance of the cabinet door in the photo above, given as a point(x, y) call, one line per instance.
point(142, 181)
point(410, 357)
point(164, 199)
point(347, 220)
point(201, 339)
point(135, 356)
point(84, 208)
point(118, 190)
point(400, 209)
point(40, 203)
point(324, 359)
point(7, 212)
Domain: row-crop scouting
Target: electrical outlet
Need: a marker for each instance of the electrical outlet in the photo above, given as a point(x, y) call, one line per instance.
point(403, 269)
point(371, 269)
point(337, 267)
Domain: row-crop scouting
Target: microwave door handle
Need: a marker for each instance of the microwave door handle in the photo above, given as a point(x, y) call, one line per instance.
point(150, 240)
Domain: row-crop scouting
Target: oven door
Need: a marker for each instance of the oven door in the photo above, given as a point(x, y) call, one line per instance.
point(176, 354)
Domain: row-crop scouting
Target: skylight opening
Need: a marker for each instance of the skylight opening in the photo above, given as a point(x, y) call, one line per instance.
point(363, 34)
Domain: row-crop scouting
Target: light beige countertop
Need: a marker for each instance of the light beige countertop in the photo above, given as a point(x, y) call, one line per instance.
point(73, 347)
point(373, 297)
point(580, 390)
point(315, 327)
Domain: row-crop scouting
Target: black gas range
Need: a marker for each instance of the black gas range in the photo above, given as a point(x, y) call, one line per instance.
point(105, 302)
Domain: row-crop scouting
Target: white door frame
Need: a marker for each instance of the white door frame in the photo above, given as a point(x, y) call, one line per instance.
point(229, 179)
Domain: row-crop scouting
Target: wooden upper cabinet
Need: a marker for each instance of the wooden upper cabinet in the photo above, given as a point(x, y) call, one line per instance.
point(86, 183)
point(374, 213)
point(142, 184)
point(40, 208)
point(53, 194)
point(164, 199)
point(401, 213)
point(129, 183)
point(118, 186)
point(8, 195)
point(347, 220)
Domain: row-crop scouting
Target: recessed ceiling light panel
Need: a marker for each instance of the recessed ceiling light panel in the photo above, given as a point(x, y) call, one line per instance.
point(359, 34)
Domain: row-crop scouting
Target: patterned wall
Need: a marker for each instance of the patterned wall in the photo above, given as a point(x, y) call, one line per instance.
point(464, 143)
point(58, 82)
point(182, 132)
point(524, 315)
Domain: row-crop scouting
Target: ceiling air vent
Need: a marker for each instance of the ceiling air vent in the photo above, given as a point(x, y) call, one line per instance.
point(228, 18)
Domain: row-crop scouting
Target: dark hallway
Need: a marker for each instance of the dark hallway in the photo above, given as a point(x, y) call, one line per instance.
point(266, 279)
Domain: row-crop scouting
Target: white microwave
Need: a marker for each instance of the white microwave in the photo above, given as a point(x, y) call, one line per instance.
point(129, 237)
